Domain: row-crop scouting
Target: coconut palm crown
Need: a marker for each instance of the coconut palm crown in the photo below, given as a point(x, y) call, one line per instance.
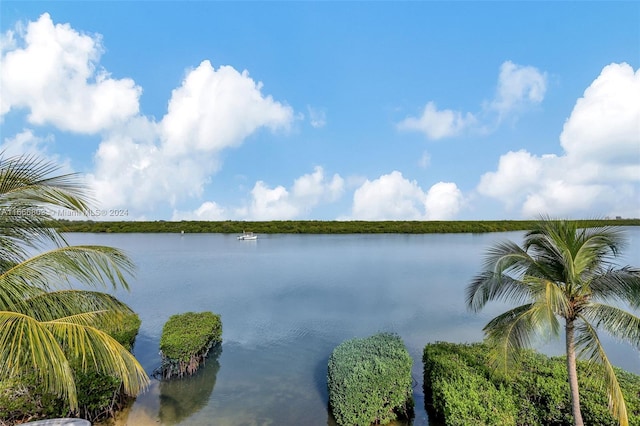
point(562, 275)
point(44, 322)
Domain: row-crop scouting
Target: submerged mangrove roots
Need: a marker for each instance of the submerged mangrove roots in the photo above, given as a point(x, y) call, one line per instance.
point(185, 343)
point(171, 368)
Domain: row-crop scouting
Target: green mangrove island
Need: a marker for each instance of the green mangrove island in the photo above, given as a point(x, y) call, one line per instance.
point(321, 227)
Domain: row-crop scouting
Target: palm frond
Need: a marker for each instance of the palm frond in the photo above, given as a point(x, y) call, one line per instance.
point(550, 300)
point(12, 251)
point(603, 243)
point(490, 286)
point(506, 257)
point(105, 309)
point(27, 224)
point(29, 179)
point(554, 245)
point(589, 347)
point(95, 349)
point(89, 265)
point(508, 333)
point(29, 190)
point(503, 264)
point(40, 330)
point(548, 240)
point(13, 293)
point(615, 321)
point(622, 284)
point(27, 346)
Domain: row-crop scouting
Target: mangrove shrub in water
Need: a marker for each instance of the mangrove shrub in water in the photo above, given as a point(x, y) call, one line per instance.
point(370, 381)
point(186, 340)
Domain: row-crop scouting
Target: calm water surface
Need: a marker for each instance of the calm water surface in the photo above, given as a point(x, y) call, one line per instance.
point(286, 301)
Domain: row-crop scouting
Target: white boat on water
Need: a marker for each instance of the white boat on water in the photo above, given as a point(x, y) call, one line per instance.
point(248, 236)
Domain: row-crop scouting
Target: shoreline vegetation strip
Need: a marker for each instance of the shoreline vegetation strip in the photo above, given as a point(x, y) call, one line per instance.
point(317, 227)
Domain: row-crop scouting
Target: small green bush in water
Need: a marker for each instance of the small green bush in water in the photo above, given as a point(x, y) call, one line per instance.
point(370, 381)
point(186, 340)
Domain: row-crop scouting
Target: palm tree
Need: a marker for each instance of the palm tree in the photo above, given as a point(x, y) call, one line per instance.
point(561, 273)
point(44, 323)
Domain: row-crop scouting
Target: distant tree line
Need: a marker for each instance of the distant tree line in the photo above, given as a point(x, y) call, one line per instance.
point(319, 227)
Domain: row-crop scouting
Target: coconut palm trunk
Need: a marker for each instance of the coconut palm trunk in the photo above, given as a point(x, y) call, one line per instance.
point(573, 373)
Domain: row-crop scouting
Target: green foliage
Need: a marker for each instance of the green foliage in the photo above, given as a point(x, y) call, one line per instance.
point(186, 340)
point(126, 331)
point(370, 381)
point(319, 227)
point(463, 389)
point(462, 395)
point(187, 334)
point(22, 399)
point(99, 394)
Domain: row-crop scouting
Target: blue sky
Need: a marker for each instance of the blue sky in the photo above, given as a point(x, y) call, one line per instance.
point(331, 110)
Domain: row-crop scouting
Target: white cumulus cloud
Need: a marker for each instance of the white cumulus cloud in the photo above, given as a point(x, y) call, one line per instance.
point(7, 41)
point(146, 163)
point(443, 201)
point(53, 71)
point(393, 197)
point(25, 142)
point(209, 210)
point(217, 109)
point(307, 192)
point(438, 124)
point(605, 122)
point(312, 187)
point(29, 143)
point(518, 87)
point(563, 199)
point(517, 173)
point(272, 203)
point(275, 203)
point(599, 172)
point(56, 77)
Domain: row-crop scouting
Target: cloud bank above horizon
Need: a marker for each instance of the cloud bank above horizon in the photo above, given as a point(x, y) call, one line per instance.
point(147, 165)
